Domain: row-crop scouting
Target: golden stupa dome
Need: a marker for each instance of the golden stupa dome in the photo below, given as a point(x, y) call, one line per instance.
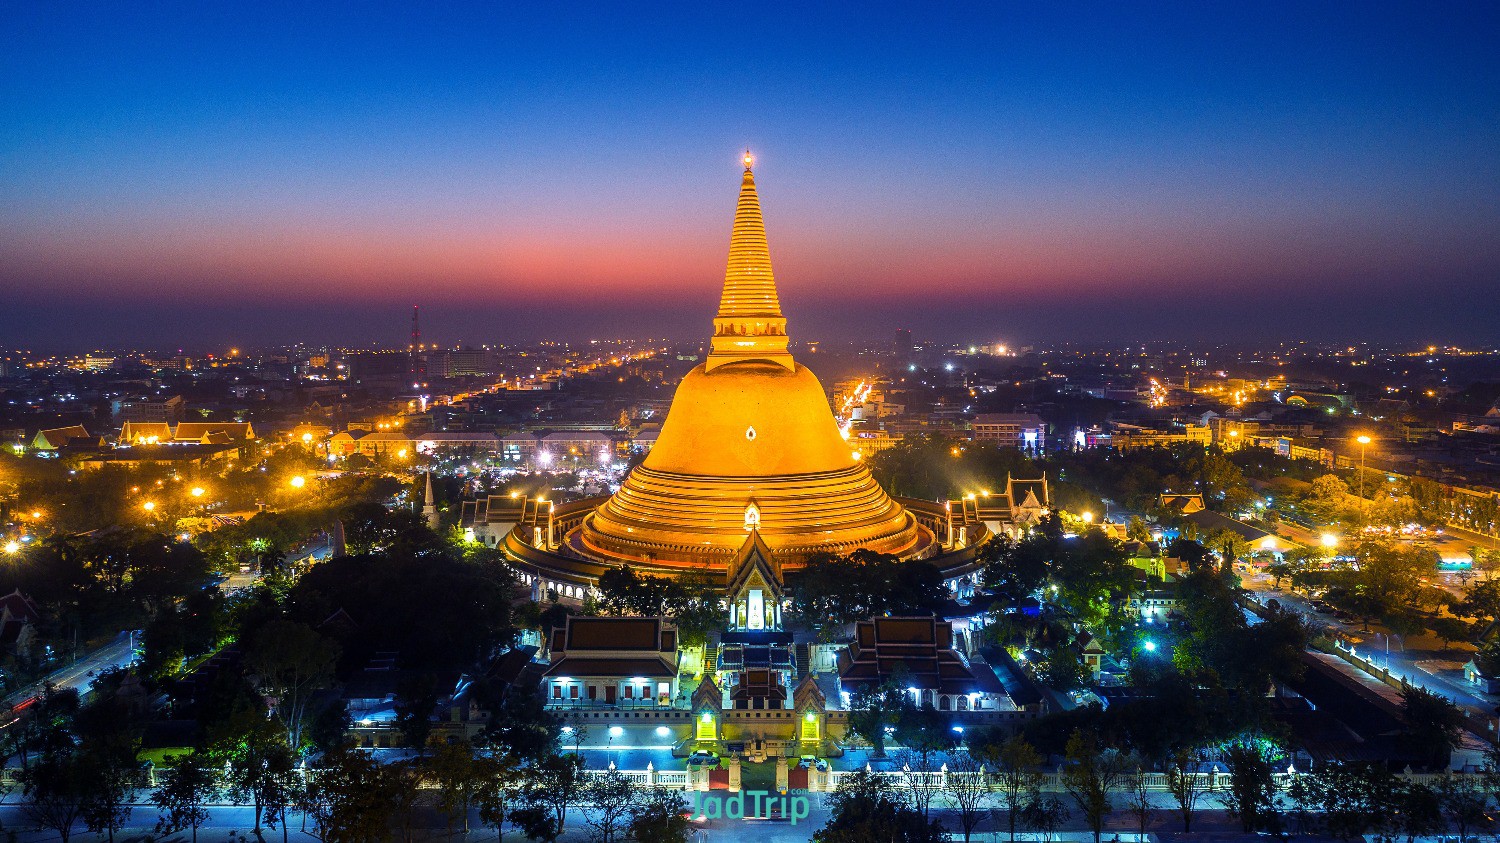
point(749, 442)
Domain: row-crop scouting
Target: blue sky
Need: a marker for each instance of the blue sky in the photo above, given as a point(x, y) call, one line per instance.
point(233, 172)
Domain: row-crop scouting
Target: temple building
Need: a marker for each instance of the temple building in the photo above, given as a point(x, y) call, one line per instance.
point(750, 442)
point(612, 662)
point(749, 476)
point(919, 654)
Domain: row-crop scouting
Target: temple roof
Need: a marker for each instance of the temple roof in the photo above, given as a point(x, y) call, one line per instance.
point(749, 326)
point(754, 555)
point(749, 285)
point(750, 441)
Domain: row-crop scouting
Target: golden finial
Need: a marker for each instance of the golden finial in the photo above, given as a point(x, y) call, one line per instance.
point(749, 159)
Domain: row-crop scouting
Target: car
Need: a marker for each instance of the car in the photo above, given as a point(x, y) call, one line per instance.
point(1322, 608)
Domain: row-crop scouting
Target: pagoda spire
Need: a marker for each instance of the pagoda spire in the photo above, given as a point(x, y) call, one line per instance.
point(429, 506)
point(749, 326)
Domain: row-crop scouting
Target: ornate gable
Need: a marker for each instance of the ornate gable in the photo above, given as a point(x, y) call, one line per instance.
point(754, 566)
point(809, 696)
point(707, 696)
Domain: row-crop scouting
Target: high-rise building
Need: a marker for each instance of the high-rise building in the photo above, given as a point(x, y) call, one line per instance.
point(902, 347)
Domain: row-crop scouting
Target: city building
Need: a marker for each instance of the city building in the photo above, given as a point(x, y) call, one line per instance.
point(1024, 431)
point(165, 410)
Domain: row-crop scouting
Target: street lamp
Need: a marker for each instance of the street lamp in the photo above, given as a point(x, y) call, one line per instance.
point(148, 506)
point(196, 491)
point(298, 482)
point(12, 546)
point(1363, 504)
point(1088, 518)
point(1330, 541)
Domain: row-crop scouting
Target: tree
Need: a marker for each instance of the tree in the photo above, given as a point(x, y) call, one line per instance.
point(1434, 725)
point(1481, 602)
point(259, 765)
point(969, 789)
point(1187, 785)
point(924, 733)
point(1091, 773)
point(293, 661)
point(1348, 800)
point(1463, 802)
point(109, 776)
point(610, 799)
point(867, 807)
point(872, 710)
point(1043, 814)
point(55, 792)
point(1229, 545)
point(1138, 797)
point(348, 798)
point(1064, 670)
point(183, 794)
point(402, 786)
point(555, 784)
point(1326, 496)
point(1251, 797)
point(459, 778)
point(661, 817)
point(416, 697)
point(1449, 629)
point(498, 780)
point(1016, 779)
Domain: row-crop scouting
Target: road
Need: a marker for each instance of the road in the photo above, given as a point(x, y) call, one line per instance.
point(80, 675)
point(234, 823)
point(1421, 661)
point(120, 651)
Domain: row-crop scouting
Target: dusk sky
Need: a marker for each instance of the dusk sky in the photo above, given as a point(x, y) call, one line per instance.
point(205, 173)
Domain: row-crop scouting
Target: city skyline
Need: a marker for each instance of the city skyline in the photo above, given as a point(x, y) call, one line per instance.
point(190, 176)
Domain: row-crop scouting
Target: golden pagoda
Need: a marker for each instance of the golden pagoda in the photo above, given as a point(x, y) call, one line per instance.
point(749, 444)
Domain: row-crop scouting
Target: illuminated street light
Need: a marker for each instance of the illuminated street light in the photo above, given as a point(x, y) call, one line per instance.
point(298, 482)
point(1149, 646)
point(1363, 506)
point(1330, 541)
point(197, 491)
point(148, 506)
point(12, 547)
point(307, 438)
point(1088, 518)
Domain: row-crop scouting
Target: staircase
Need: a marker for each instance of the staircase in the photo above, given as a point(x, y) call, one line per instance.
point(802, 660)
point(710, 659)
